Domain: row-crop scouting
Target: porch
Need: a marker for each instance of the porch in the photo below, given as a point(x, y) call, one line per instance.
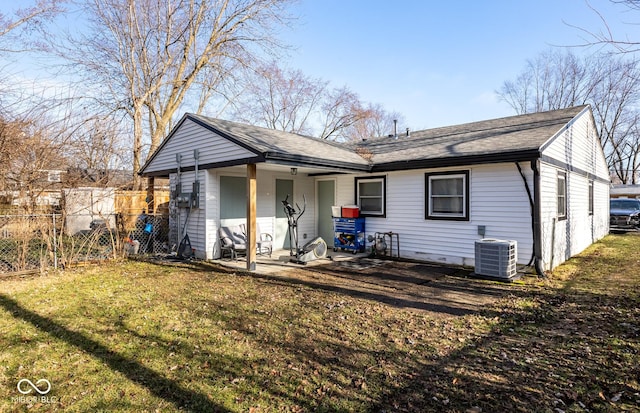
point(281, 261)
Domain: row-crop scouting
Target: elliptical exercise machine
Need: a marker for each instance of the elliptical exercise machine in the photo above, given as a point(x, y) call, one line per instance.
point(312, 250)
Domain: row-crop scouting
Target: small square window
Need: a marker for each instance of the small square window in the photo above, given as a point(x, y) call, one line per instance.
point(371, 196)
point(447, 195)
point(54, 176)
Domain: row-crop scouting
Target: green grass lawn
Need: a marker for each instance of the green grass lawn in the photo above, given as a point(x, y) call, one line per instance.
point(135, 336)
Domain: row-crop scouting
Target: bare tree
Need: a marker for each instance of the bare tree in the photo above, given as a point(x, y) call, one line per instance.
point(98, 150)
point(342, 110)
point(97, 146)
point(15, 31)
point(615, 102)
point(280, 99)
point(12, 39)
point(610, 85)
point(147, 56)
point(289, 100)
point(553, 80)
point(32, 155)
point(605, 36)
point(378, 122)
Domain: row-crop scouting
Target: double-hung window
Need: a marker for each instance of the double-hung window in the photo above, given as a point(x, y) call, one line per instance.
point(371, 196)
point(562, 195)
point(447, 195)
point(590, 197)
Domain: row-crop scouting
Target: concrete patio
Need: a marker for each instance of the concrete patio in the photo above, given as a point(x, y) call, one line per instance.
point(280, 260)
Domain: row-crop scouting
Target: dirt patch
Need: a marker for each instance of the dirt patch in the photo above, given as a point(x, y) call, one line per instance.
point(435, 288)
point(440, 289)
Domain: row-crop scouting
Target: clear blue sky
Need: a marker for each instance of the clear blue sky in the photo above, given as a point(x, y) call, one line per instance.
point(436, 62)
point(439, 62)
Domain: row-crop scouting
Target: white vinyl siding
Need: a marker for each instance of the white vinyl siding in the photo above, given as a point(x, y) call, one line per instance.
point(565, 237)
point(577, 147)
point(497, 198)
point(590, 197)
point(194, 218)
point(189, 136)
point(212, 215)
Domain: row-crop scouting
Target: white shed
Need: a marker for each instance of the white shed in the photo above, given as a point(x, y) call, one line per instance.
point(84, 205)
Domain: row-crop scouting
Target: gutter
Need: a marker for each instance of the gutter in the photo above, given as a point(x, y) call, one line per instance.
point(500, 157)
point(531, 209)
point(301, 160)
point(537, 219)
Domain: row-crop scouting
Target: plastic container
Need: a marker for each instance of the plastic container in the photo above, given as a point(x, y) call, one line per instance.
point(350, 211)
point(336, 212)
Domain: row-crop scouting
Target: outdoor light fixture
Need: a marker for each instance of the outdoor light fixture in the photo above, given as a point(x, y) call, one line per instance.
point(294, 171)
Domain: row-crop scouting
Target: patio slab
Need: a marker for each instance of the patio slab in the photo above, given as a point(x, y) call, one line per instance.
point(280, 260)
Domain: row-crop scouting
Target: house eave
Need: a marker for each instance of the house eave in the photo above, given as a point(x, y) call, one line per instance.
point(514, 156)
point(234, 162)
point(301, 160)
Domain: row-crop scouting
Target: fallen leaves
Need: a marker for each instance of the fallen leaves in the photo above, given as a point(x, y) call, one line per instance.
point(271, 346)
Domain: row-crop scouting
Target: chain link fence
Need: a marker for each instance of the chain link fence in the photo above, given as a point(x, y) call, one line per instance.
point(32, 243)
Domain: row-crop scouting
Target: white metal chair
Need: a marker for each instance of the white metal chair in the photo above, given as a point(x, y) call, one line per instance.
point(264, 241)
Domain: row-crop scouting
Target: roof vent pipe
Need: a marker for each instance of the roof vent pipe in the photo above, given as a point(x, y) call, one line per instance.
point(395, 129)
point(408, 133)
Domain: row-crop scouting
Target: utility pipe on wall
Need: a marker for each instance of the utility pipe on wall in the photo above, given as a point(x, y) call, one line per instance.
point(537, 219)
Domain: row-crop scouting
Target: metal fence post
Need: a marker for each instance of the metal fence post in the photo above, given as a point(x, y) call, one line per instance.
point(55, 244)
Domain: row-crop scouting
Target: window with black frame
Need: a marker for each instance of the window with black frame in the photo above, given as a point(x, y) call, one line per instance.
point(447, 195)
point(371, 196)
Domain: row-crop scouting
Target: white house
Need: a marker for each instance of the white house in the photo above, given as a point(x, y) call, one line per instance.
point(539, 179)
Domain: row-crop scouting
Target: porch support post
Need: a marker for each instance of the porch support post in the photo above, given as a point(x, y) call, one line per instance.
point(251, 217)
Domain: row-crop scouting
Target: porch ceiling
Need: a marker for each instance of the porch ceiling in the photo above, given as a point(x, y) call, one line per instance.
point(284, 169)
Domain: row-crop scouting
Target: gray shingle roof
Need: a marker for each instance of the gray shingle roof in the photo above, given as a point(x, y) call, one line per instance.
point(523, 133)
point(285, 146)
point(507, 139)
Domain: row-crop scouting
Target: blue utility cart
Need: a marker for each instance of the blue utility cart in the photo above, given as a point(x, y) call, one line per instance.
point(348, 234)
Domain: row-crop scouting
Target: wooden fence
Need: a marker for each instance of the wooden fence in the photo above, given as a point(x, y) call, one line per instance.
point(131, 204)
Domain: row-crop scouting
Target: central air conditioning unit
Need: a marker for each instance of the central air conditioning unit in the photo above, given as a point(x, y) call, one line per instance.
point(496, 258)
